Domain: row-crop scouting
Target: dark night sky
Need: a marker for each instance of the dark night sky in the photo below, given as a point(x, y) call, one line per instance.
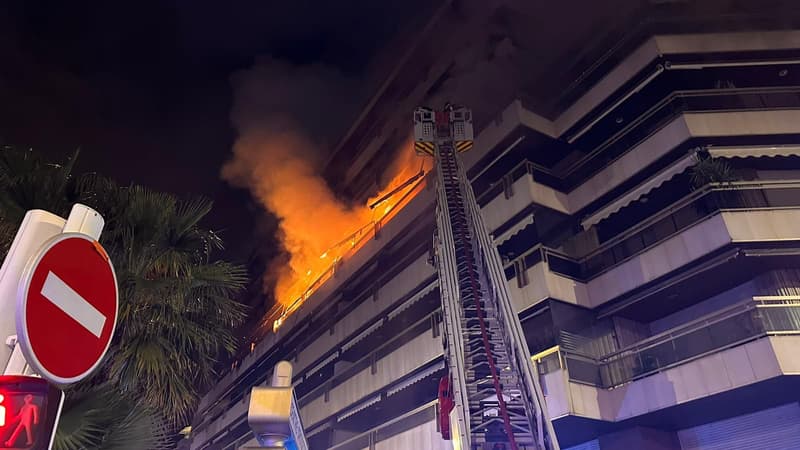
point(142, 87)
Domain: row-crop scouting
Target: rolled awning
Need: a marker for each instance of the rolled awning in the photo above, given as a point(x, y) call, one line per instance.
point(417, 377)
point(359, 407)
point(516, 228)
point(634, 194)
point(754, 151)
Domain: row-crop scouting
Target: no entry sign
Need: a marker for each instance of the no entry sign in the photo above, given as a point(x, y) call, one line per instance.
point(67, 308)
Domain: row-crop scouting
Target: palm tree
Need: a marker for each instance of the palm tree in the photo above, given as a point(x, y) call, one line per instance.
point(28, 182)
point(711, 170)
point(176, 311)
point(99, 418)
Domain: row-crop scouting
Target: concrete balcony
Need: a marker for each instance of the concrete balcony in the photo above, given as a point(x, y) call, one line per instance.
point(687, 231)
point(374, 242)
point(410, 277)
point(727, 227)
point(358, 387)
point(542, 284)
point(235, 411)
point(714, 365)
point(525, 190)
point(416, 429)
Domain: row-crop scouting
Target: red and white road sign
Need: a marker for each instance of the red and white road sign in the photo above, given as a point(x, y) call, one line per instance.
point(67, 308)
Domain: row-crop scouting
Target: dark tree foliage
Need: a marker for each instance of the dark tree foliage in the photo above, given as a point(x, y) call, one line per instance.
point(177, 304)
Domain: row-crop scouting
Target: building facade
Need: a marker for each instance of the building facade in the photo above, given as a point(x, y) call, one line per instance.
point(649, 218)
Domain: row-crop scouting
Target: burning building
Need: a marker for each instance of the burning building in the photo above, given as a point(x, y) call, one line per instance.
point(638, 168)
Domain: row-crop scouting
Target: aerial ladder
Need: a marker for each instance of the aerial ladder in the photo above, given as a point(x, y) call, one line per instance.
point(490, 398)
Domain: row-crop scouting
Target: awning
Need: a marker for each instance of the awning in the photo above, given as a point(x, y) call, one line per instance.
point(359, 407)
point(634, 194)
point(516, 228)
point(413, 299)
point(349, 344)
point(417, 377)
point(754, 151)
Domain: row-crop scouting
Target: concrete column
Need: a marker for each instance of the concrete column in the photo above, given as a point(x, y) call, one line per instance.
point(640, 438)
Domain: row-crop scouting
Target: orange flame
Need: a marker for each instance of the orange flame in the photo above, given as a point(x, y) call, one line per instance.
point(314, 254)
point(316, 229)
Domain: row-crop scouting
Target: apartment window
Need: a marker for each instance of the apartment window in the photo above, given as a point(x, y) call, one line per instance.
point(687, 216)
point(633, 244)
point(662, 228)
point(649, 236)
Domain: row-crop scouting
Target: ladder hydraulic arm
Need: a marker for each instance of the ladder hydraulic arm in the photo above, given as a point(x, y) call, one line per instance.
point(494, 397)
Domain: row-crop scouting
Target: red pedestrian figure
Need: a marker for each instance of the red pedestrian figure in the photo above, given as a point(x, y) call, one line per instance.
point(28, 417)
point(2, 412)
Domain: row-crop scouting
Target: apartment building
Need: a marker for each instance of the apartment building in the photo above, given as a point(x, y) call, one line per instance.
point(646, 203)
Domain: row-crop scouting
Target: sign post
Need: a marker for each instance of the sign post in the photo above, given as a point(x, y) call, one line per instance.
point(37, 227)
point(58, 312)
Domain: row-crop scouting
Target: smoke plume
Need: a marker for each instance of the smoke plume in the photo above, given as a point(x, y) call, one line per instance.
point(286, 118)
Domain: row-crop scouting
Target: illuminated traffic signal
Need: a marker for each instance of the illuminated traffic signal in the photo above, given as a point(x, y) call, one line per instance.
point(29, 409)
point(2, 411)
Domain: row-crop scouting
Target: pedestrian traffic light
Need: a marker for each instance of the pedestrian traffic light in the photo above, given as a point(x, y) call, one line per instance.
point(29, 410)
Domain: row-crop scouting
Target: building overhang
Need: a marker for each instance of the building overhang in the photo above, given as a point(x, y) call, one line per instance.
point(573, 430)
point(703, 278)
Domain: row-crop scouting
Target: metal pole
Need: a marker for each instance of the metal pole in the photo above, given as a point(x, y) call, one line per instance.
point(37, 227)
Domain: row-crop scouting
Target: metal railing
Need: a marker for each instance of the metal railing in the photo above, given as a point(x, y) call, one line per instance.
point(403, 422)
point(725, 329)
point(675, 218)
point(279, 313)
point(238, 390)
point(607, 147)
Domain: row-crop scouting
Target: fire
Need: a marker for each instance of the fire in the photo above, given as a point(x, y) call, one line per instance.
point(335, 232)
point(281, 166)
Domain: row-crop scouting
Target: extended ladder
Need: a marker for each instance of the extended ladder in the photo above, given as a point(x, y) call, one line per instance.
point(498, 403)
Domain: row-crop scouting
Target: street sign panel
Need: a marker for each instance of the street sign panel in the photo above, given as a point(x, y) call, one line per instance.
point(67, 308)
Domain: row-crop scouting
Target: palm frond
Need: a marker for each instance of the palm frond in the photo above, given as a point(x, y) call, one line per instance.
point(177, 305)
point(139, 429)
point(188, 214)
point(100, 418)
point(711, 170)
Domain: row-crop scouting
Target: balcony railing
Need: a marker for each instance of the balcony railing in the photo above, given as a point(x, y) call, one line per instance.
point(695, 207)
point(487, 188)
point(608, 143)
point(409, 420)
point(688, 211)
point(728, 328)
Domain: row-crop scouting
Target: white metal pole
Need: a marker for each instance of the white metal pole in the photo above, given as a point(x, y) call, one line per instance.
point(37, 227)
point(16, 364)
